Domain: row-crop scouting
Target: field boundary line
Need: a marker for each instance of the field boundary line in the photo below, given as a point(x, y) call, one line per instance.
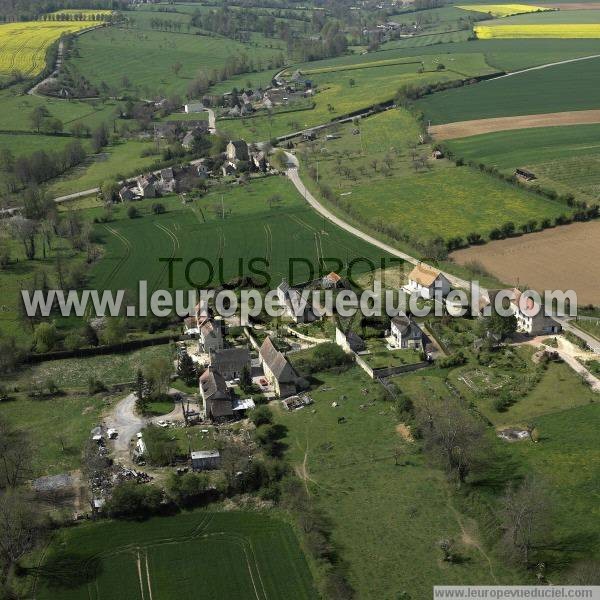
point(547, 66)
point(148, 574)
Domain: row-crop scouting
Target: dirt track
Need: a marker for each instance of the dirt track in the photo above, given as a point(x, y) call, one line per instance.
point(561, 258)
point(460, 129)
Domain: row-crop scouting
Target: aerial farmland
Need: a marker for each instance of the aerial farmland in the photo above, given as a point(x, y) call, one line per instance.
point(299, 300)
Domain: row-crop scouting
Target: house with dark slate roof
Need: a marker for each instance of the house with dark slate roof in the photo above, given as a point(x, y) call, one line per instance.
point(230, 362)
point(278, 371)
point(216, 396)
point(406, 333)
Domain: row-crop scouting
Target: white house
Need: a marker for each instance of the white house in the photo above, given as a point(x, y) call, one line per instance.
point(406, 333)
point(194, 107)
point(531, 317)
point(426, 281)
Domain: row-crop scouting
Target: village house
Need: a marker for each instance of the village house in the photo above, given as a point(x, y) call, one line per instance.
point(126, 194)
point(296, 308)
point(194, 107)
point(278, 371)
point(267, 103)
point(211, 336)
point(332, 281)
point(259, 161)
point(167, 180)
point(427, 282)
point(531, 318)
point(406, 333)
point(147, 186)
point(236, 151)
point(230, 362)
point(216, 397)
point(205, 460)
point(202, 170)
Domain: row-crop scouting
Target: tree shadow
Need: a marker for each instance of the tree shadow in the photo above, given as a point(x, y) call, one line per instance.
point(66, 570)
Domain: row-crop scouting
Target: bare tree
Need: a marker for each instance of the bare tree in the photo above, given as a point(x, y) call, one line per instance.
point(15, 457)
point(452, 434)
point(24, 230)
point(20, 527)
point(525, 518)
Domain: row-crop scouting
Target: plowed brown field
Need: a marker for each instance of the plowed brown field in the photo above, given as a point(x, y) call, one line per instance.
point(561, 258)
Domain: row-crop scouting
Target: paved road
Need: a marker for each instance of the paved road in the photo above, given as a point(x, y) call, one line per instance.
point(592, 342)
point(546, 66)
point(212, 128)
point(293, 175)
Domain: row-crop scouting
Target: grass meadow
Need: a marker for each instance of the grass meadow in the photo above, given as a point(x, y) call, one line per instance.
point(533, 92)
point(566, 158)
point(565, 414)
point(386, 517)
point(373, 178)
point(235, 555)
point(106, 55)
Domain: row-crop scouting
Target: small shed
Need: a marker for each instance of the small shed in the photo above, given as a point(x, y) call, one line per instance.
point(205, 460)
point(525, 174)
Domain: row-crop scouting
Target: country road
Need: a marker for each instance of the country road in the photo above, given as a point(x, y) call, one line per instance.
point(294, 177)
point(592, 342)
point(546, 66)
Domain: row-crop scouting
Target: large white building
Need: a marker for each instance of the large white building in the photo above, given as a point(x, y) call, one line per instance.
point(426, 281)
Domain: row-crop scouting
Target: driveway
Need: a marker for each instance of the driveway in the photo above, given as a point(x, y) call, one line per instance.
point(128, 423)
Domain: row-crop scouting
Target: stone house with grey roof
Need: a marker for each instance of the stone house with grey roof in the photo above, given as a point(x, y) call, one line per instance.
point(278, 371)
point(216, 396)
point(230, 362)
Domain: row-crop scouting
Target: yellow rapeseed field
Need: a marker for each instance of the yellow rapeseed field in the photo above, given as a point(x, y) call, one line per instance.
point(503, 10)
point(23, 45)
point(557, 30)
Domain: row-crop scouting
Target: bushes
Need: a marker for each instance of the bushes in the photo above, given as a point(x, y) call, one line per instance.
point(454, 360)
point(324, 357)
point(131, 500)
point(187, 489)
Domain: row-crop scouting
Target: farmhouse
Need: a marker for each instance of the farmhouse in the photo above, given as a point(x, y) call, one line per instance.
point(237, 150)
point(205, 460)
point(259, 161)
point(298, 309)
point(427, 281)
point(406, 333)
point(279, 372)
point(194, 107)
point(211, 335)
point(167, 180)
point(215, 396)
point(126, 194)
point(230, 362)
point(531, 318)
point(333, 280)
point(147, 186)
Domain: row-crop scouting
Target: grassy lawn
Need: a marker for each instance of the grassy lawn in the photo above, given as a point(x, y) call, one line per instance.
point(386, 518)
point(74, 373)
point(219, 555)
point(567, 457)
point(115, 162)
point(57, 428)
point(379, 356)
point(534, 92)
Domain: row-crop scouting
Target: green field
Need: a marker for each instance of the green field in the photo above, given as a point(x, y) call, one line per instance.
point(251, 229)
point(123, 159)
point(105, 55)
point(408, 201)
point(549, 18)
point(540, 91)
point(56, 428)
point(201, 554)
point(565, 158)
point(386, 518)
